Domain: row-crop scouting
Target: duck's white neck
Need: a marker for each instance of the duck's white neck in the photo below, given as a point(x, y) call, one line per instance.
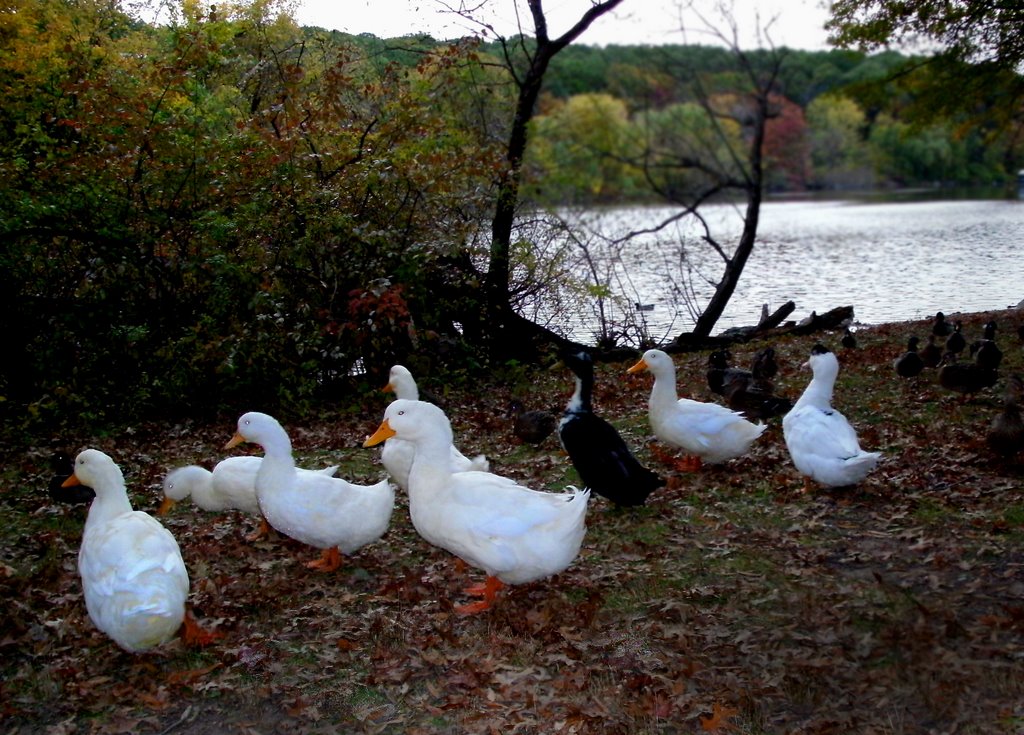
point(431, 464)
point(277, 460)
point(111, 501)
point(664, 389)
point(819, 390)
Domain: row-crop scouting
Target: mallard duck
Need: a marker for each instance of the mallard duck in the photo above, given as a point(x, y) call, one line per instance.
point(721, 374)
point(931, 353)
point(985, 351)
point(955, 342)
point(230, 486)
point(327, 513)
point(909, 364)
point(754, 402)
point(708, 432)
point(514, 534)
point(532, 427)
point(62, 466)
point(133, 576)
point(965, 378)
point(940, 327)
point(396, 456)
point(821, 442)
point(1006, 433)
point(756, 398)
point(764, 367)
point(600, 456)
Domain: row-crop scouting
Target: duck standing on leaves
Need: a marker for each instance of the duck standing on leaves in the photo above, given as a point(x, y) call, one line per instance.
point(909, 364)
point(708, 432)
point(600, 456)
point(327, 513)
point(1006, 433)
point(985, 351)
point(396, 456)
point(513, 533)
point(966, 378)
point(931, 353)
point(821, 442)
point(955, 342)
point(133, 575)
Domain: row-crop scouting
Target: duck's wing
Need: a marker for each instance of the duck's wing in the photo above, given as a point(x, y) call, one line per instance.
point(498, 506)
point(123, 549)
point(706, 419)
point(599, 453)
point(824, 432)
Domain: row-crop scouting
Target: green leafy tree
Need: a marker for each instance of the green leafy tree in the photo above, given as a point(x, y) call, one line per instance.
point(577, 151)
point(839, 158)
point(973, 74)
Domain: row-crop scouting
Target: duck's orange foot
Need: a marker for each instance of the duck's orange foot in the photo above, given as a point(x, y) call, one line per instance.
point(329, 560)
point(262, 532)
point(488, 590)
point(689, 463)
point(193, 634)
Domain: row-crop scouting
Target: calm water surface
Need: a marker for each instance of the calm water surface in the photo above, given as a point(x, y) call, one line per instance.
point(891, 261)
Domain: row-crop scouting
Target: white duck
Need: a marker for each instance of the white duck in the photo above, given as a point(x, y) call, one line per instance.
point(397, 453)
point(132, 572)
point(708, 432)
point(328, 513)
point(230, 486)
point(820, 440)
point(514, 534)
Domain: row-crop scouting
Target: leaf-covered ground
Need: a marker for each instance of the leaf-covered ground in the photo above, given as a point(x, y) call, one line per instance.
point(732, 602)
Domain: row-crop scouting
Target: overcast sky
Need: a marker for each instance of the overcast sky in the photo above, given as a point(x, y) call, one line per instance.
point(797, 24)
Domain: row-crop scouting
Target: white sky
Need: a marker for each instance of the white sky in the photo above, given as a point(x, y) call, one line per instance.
point(797, 24)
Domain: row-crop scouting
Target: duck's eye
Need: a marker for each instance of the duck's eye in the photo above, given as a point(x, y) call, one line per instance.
point(401, 413)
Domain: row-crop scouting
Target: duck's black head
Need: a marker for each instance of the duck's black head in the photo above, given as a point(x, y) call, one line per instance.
point(579, 362)
point(820, 349)
point(719, 359)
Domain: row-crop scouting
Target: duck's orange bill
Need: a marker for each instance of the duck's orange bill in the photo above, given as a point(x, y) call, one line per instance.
point(642, 365)
point(234, 441)
point(383, 433)
point(165, 507)
point(71, 481)
point(387, 388)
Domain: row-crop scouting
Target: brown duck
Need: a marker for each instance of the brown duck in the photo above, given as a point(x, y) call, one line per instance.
point(1006, 433)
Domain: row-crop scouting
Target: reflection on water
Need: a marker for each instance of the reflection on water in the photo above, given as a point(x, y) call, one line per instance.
point(890, 261)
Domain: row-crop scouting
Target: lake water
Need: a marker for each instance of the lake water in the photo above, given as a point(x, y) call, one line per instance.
point(891, 261)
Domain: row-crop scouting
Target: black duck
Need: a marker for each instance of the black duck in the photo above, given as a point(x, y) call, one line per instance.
point(63, 466)
point(940, 327)
point(599, 454)
point(985, 351)
point(955, 342)
point(909, 364)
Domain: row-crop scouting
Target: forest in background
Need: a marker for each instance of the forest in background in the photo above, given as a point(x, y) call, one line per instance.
point(233, 206)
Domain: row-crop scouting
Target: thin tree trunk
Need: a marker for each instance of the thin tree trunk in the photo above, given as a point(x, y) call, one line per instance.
point(530, 84)
point(754, 190)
